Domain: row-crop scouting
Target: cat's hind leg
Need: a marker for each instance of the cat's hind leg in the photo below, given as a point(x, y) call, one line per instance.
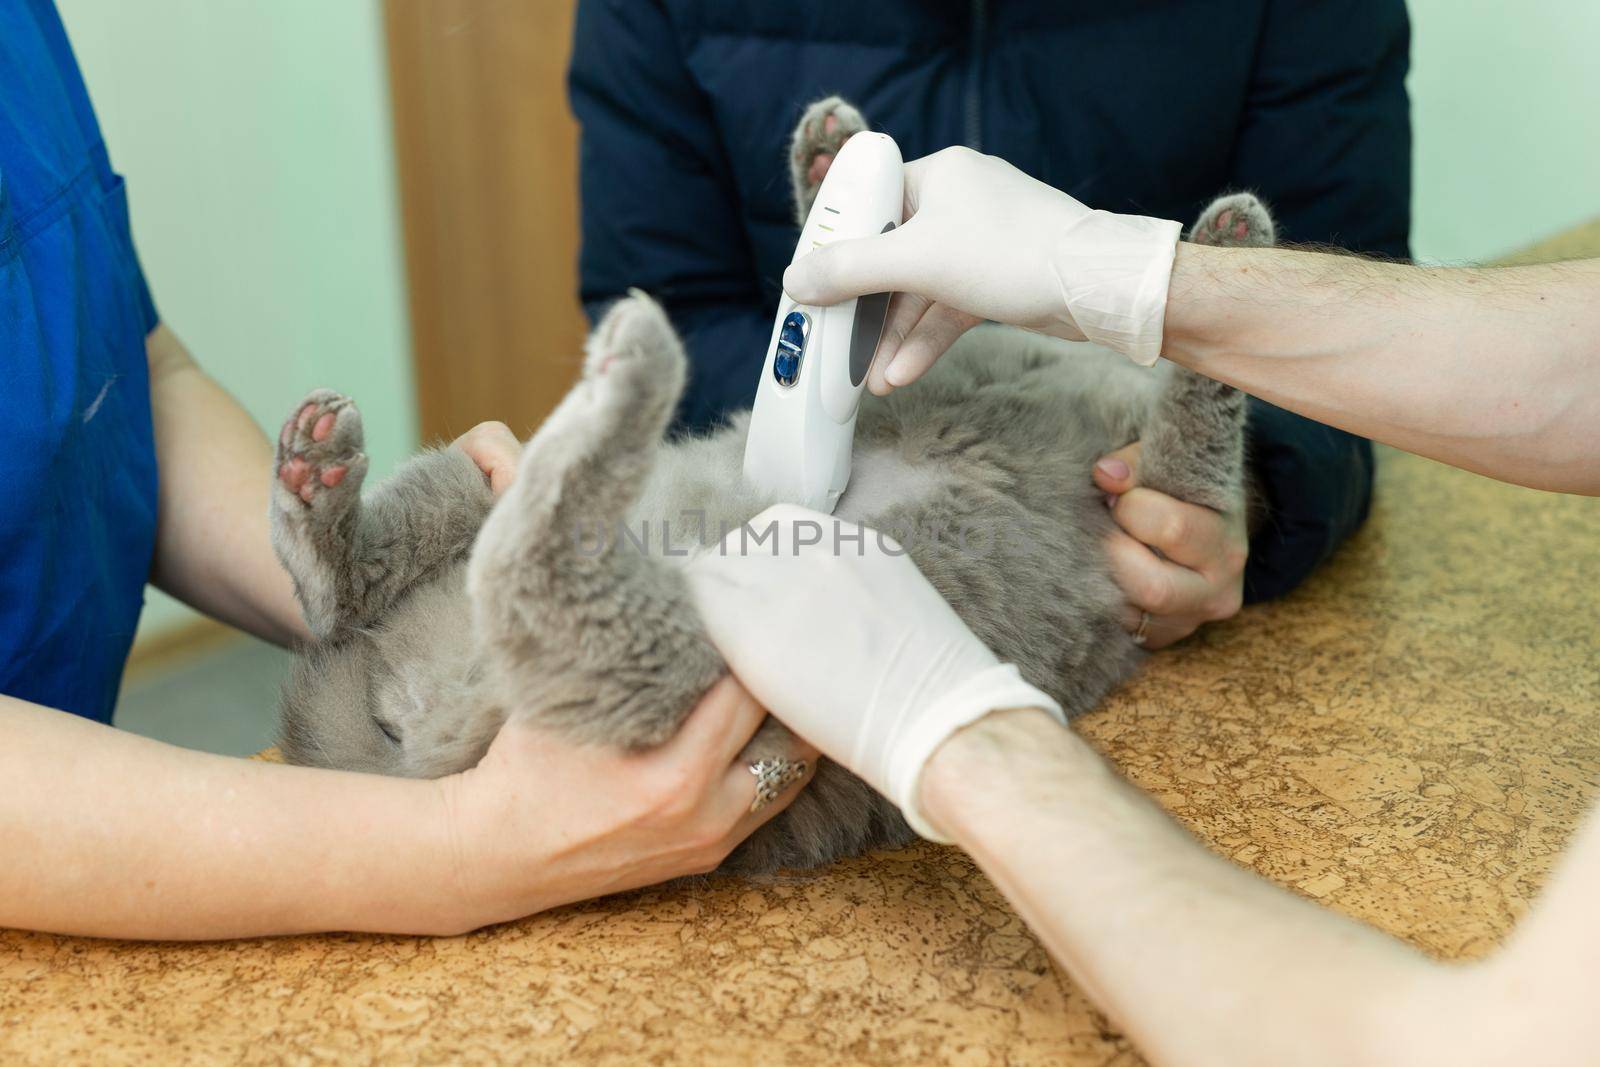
point(823, 129)
point(1237, 221)
point(587, 626)
point(350, 558)
point(1194, 442)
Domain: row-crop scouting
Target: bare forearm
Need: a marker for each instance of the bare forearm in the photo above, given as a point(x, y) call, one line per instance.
point(213, 547)
point(1199, 960)
point(108, 834)
point(1494, 370)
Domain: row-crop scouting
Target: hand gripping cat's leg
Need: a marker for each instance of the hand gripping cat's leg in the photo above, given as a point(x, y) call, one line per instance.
point(587, 626)
point(1194, 444)
point(349, 559)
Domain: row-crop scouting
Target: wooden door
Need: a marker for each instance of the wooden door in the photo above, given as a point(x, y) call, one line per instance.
point(487, 153)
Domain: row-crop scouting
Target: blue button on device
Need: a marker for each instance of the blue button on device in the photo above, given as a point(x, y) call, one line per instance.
point(791, 348)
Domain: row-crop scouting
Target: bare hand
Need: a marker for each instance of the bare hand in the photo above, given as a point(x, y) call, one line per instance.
point(542, 822)
point(1182, 563)
point(495, 449)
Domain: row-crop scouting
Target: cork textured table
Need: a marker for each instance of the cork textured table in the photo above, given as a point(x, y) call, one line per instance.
point(1410, 739)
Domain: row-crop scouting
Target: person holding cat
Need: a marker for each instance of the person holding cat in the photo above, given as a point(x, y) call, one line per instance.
point(1147, 108)
point(1495, 371)
point(108, 834)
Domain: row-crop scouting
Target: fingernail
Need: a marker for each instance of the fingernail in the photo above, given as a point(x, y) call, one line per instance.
point(897, 372)
point(1111, 501)
point(1114, 469)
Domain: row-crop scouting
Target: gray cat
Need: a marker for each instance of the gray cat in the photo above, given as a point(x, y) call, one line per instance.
point(439, 612)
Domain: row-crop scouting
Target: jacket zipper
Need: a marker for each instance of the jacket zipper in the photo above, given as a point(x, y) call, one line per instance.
point(974, 94)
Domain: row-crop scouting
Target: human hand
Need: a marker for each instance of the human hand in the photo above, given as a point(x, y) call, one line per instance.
point(541, 822)
point(1180, 562)
point(838, 633)
point(495, 449)
point(982, 240)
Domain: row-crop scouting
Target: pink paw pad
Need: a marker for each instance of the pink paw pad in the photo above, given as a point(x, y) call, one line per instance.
point(303, 470)
point(817, 169)
point(294, 473)
point(1229, 223)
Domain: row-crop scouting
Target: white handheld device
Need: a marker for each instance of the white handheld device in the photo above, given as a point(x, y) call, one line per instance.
point(804, 421)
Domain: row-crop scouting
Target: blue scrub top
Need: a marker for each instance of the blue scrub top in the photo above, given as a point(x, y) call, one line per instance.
point(77, 454)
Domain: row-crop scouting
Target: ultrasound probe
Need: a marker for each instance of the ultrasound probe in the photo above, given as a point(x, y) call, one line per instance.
point(804, 420)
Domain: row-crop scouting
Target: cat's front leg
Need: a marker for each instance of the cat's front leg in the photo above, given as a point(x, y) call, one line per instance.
point(316, 499)
point(351, 557)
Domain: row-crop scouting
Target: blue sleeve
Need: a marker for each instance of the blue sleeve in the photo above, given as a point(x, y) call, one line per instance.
point(1325, 139)
point(659, 207)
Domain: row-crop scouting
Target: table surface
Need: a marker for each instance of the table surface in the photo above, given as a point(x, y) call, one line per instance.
point(1410, 739)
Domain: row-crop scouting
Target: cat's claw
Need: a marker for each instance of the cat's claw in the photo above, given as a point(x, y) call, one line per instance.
point(319, 449)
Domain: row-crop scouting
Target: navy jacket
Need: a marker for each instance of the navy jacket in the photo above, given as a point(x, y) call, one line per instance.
point(1145, 106)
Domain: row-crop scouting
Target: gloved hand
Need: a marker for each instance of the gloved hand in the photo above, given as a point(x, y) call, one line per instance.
point(833, 629)
point(983, 240)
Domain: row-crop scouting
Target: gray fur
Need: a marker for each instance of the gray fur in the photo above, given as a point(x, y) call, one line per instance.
point(430, 640)
point(812, 138)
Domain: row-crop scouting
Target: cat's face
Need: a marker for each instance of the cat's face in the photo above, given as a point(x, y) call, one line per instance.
point(406, 699)
point(405, 696)
point(328, 719)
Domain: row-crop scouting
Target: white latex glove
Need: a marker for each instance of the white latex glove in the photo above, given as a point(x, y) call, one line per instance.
point(983, 240)
point(832, 627)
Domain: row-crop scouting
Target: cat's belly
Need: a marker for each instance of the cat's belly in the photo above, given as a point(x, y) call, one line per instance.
point(882, 478)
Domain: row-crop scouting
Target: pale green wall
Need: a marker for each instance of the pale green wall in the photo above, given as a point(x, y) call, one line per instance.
point(255, 138)
point(1505, 98)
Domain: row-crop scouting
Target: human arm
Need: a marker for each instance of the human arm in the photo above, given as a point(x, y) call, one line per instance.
point(1199, 960)
point(213, 549)
point(1202, 962)
point(1324, 137)
point(107, 834)
point(1493, 370)
point(659, 204)
point(213, 545)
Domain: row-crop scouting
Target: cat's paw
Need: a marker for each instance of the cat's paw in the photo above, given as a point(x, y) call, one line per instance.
point(319, 460)
point(634, 352)
point(823, 130)
point(1237, 221)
